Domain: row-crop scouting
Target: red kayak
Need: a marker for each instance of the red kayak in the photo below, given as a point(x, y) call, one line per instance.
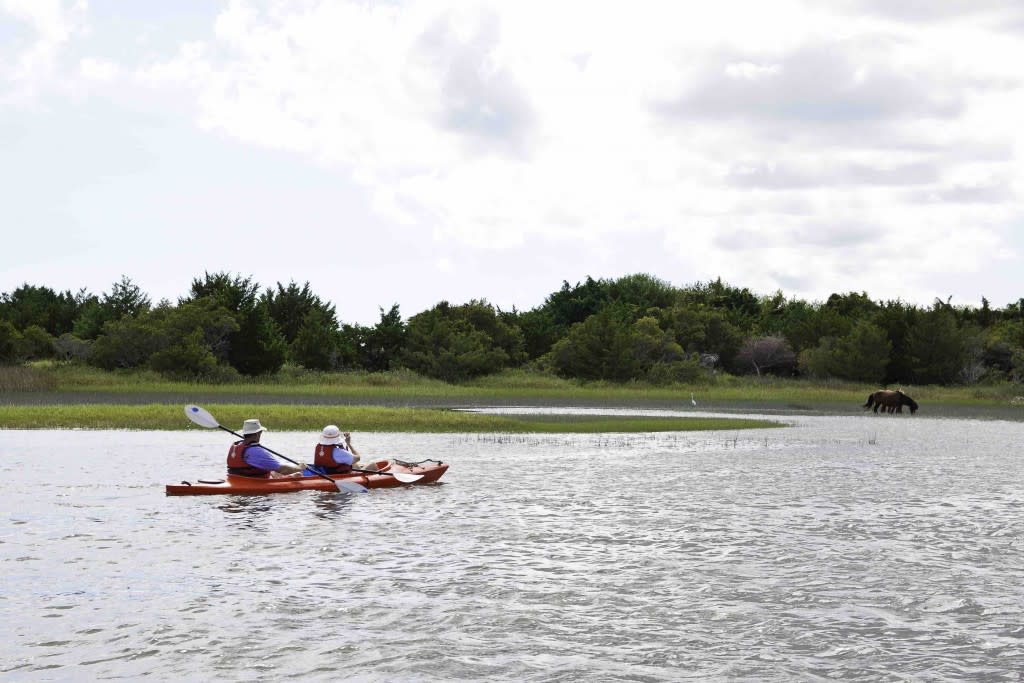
point(430, 470)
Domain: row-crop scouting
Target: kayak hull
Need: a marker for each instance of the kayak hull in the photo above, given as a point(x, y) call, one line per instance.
point(251, 486)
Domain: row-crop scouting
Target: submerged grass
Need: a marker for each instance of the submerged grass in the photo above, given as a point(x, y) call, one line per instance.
point(362, 419)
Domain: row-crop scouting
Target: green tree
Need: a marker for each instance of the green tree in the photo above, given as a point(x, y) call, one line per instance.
point(383, 343)
point(601, 347)
point(741, 307)
point(289, 306)
point(316, 343)
point(9, 338)
point(184, 341)
point(571, 305)
point(540, 331)
point(936, 347)
point(189, 357)
point(721, 338)
point(258, 347)
point(807, 331)
point(651, 344)
point(896, 319)
point(126, 343)
point(688, 326)
point(214, 323)
point(641, 293)
point(702, 331)
point(125, 300)
point(455, 343)
point(31, 305)
point(35, 344)
point(852, 305)
point(451, 350)
point(351, 341)
point(862, 355)
point(91, 318)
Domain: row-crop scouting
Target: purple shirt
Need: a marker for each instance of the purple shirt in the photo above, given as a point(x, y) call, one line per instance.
point(343, 457)
point(258, 456)
point(340, 455)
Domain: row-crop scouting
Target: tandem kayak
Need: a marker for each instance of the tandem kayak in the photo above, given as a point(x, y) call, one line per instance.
point(251, 486)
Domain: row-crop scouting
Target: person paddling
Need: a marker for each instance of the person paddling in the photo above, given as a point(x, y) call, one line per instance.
point(335, 454)
point(249, 459)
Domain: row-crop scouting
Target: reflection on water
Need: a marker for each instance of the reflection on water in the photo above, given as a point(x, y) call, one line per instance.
point(332, 506)
point(849, 548)
point(246, 512)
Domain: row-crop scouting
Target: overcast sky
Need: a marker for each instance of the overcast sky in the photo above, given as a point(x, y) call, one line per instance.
point(407, 152)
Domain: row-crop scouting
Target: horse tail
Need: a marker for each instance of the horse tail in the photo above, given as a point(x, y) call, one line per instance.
point(871, 401)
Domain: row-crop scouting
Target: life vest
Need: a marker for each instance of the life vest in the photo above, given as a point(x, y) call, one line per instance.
point(238, 465)
point(323, 457)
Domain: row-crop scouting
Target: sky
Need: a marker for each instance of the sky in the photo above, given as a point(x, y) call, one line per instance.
point(414, 152)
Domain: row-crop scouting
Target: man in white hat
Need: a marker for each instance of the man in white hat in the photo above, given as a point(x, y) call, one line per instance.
point(249, 459)
point(333, 457)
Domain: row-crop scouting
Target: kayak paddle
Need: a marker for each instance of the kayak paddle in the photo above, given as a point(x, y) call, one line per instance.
point(204, 419)
point(404, 477)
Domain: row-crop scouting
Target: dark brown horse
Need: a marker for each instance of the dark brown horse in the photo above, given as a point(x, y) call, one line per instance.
point(891, 401)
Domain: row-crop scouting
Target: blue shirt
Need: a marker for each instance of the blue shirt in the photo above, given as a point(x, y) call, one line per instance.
point(343, 457)
point(340, 455)
point(258, 456)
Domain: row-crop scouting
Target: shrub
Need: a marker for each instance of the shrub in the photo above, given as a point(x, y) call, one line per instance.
point(676, 372)
point(35, 344)
point(70, 348)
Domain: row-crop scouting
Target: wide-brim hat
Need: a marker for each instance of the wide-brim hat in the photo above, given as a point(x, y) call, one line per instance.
point(330, 435)
point(252, 427)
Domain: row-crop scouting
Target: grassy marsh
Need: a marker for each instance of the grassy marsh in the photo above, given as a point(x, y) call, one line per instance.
point(508, 385)
point(360, 418)
point(59, 395)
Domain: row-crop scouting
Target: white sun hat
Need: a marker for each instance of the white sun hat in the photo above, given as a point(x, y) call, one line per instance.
point(252, 427)
point(331, 435)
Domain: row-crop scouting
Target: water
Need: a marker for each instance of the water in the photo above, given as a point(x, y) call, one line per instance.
point(850, 548)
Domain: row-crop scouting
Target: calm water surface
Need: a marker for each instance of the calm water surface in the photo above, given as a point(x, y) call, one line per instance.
point(851, 548)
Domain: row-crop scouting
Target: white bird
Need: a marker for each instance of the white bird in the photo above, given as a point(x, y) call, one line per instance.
point(693, 401)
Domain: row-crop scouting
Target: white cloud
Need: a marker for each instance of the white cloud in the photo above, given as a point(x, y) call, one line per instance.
point(102, 70)
point(785, 144)
point(29, 64)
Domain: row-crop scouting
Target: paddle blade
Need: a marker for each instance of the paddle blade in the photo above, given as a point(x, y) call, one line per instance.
point(201, 417)
point(350, 486)
point(407, 477)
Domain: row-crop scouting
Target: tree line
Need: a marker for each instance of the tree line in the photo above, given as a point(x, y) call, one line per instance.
point(634, 328)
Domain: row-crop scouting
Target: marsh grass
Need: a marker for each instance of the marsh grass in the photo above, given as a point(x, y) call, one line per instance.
point(511, 385)
point(363, 419)
point(26, 378)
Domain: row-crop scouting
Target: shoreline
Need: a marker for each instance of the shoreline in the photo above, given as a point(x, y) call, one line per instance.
point(158, 411)
point(170, 417)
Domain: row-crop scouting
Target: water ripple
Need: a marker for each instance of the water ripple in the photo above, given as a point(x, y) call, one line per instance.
point(839, 548)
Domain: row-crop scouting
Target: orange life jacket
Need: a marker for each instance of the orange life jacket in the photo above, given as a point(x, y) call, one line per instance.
point(323, 457)
point(238, 465)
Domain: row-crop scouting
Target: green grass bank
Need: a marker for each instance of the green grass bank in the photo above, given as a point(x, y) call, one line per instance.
point(354, 418)
point(55, 395)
